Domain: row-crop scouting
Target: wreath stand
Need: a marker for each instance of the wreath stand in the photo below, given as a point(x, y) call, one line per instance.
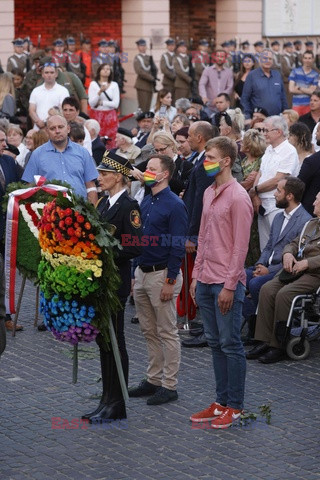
point(16, 316)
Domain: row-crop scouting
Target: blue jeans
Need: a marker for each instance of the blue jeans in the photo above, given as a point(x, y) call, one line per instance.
point(224, 338)
point(254, 285)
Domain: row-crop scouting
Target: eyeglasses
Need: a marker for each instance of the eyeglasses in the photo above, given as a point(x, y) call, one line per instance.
point(261, 130)
point(49, 64)
point(271, 130)
point(160, 150)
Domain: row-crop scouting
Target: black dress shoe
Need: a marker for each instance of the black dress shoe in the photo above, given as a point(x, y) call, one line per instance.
point(273, 355)
point(86, 416)
point(250, 342)
point(163, 395)
point(116, 411)
point(134, 320)
point(144, 389)
point(257, 351)
point(195, 342)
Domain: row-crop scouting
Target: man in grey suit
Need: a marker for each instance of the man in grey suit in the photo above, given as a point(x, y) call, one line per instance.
point(285, 227)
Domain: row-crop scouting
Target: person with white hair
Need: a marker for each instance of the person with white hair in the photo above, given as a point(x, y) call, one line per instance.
point(125, 146)
point(279, 160)
point(98, 147)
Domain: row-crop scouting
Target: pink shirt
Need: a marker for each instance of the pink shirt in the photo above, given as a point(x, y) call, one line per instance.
point(224, 235)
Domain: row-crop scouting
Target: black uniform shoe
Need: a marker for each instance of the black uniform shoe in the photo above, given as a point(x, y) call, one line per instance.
point(144, 389)
point(257, 351)
point(116, 411)
point(273, 355)
point(163, 395)
point(195, 342)
point(86, 416)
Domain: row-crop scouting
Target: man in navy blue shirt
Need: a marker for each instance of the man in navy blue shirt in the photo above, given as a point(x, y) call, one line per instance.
point(158, 281)
point(264, 88)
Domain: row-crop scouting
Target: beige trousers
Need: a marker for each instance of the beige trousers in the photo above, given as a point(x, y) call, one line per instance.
point(144, 100)
point(158, 322)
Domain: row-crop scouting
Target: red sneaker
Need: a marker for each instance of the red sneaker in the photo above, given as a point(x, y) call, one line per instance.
point(227, 418)
point(208, 414)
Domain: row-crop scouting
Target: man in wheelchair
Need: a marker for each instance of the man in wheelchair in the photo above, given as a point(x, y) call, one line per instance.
point(300, 275)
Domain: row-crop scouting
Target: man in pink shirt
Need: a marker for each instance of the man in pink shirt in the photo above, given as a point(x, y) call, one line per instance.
point(219, 278)
point(216, 79)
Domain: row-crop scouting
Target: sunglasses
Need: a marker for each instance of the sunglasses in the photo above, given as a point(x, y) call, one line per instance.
point(49, 64)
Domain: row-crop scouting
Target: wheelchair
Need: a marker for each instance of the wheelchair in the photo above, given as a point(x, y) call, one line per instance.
point(304, 313)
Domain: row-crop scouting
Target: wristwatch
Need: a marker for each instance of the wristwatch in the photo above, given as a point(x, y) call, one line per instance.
point(171, 281)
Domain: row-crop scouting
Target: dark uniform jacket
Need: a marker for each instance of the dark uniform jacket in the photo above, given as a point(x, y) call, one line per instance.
point(310, 175)
point(125, 216)
point(12, 173)
point(98, 149)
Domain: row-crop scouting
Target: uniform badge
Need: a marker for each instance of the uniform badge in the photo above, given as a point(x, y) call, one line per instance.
point(135, 219)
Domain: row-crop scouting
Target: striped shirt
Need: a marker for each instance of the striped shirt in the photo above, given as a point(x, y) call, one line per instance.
point(304, 80)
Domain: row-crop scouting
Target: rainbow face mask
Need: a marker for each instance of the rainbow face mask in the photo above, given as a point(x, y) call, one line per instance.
point(150, 178)
point(211, 168)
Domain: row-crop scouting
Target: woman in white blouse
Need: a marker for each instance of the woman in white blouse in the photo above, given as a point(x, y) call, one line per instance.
point(104, 99)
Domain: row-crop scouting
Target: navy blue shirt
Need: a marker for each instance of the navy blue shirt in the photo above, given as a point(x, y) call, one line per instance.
point(165, 225)
point(265, 92)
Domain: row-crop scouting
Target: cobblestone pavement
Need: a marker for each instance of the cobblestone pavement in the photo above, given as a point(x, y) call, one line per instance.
point(157, 443)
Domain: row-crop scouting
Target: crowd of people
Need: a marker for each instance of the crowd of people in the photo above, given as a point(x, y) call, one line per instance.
point(227, 179)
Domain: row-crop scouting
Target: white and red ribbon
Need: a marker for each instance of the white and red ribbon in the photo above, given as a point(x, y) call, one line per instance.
point(12, 227)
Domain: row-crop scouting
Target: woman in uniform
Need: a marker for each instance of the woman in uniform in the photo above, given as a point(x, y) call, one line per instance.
point(122, 212)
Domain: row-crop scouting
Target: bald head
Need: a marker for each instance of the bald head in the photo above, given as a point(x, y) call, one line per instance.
point(55, 119)
point(199, 133)
point(58, 130)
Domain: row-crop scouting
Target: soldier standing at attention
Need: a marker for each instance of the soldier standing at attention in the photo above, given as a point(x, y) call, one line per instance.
point(201, 59)
point(145, 81)
point(101, 57)
point(181, 65)
point(297, 53)
point(60, 58)
point(166, 66)
point(275, 47)
point(287, 64)
point(18, 59)
point(74, 63)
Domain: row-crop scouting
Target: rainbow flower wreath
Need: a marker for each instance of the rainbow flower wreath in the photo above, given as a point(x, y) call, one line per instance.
point(77, 274)
point(23, 205)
